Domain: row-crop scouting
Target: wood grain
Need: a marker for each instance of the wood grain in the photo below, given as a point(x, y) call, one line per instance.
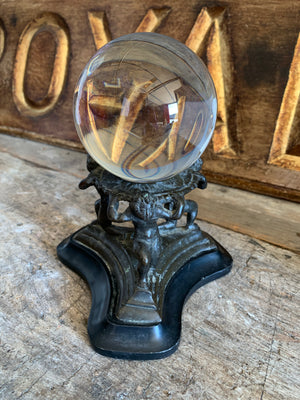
point(153, 19)
point(275, 221)
point(272, 220)
point(208, 35)
point(249, 48)
point(284, 125)
point(2, 38)
point(99, 27)
point(54, 24)
point(240, 335)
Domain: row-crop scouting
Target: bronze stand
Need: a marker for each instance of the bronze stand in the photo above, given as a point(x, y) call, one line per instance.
point(140, 276)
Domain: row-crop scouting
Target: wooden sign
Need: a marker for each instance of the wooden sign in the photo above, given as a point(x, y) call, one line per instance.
point(251, 49)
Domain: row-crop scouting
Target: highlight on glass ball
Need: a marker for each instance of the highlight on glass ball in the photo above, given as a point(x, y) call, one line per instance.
point(145, 107)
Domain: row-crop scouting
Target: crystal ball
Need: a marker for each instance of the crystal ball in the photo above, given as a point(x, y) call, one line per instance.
point(145, 107)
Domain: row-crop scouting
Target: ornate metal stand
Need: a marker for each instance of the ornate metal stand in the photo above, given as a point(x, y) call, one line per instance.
point(141, 275)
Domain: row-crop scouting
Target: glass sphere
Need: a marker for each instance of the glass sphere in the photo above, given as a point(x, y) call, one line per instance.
point(145, 107)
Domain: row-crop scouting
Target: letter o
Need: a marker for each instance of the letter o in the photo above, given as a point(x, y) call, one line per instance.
point(54, 24)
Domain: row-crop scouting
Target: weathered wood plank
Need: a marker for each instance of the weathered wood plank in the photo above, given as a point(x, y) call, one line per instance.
point(240, 336)
point(249, 48)
point(275, 221)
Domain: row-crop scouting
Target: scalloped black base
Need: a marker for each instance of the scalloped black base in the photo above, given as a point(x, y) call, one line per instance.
point(140, 342)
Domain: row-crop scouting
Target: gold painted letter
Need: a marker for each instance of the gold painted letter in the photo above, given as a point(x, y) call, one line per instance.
point(207, 32)
point(54, 24)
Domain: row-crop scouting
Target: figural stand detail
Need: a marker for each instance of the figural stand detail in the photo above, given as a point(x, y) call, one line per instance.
point(144, 255)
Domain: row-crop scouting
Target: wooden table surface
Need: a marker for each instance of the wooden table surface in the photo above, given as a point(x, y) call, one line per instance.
point(240, 336)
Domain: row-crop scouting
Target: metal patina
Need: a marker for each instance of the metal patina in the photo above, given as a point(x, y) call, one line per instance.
point(149, 267)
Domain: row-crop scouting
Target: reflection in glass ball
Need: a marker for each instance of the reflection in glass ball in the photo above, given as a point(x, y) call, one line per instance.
point(145, 107)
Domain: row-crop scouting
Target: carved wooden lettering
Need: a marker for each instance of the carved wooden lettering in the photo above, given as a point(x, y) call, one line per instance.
point(2, 39)
point(57, 27)
point(284, 133)
point(100, 28)
point(248, 51)
point(207, 32)
point(153, 19)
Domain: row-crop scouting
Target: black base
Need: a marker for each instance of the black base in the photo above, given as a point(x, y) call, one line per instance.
point(140, 342)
